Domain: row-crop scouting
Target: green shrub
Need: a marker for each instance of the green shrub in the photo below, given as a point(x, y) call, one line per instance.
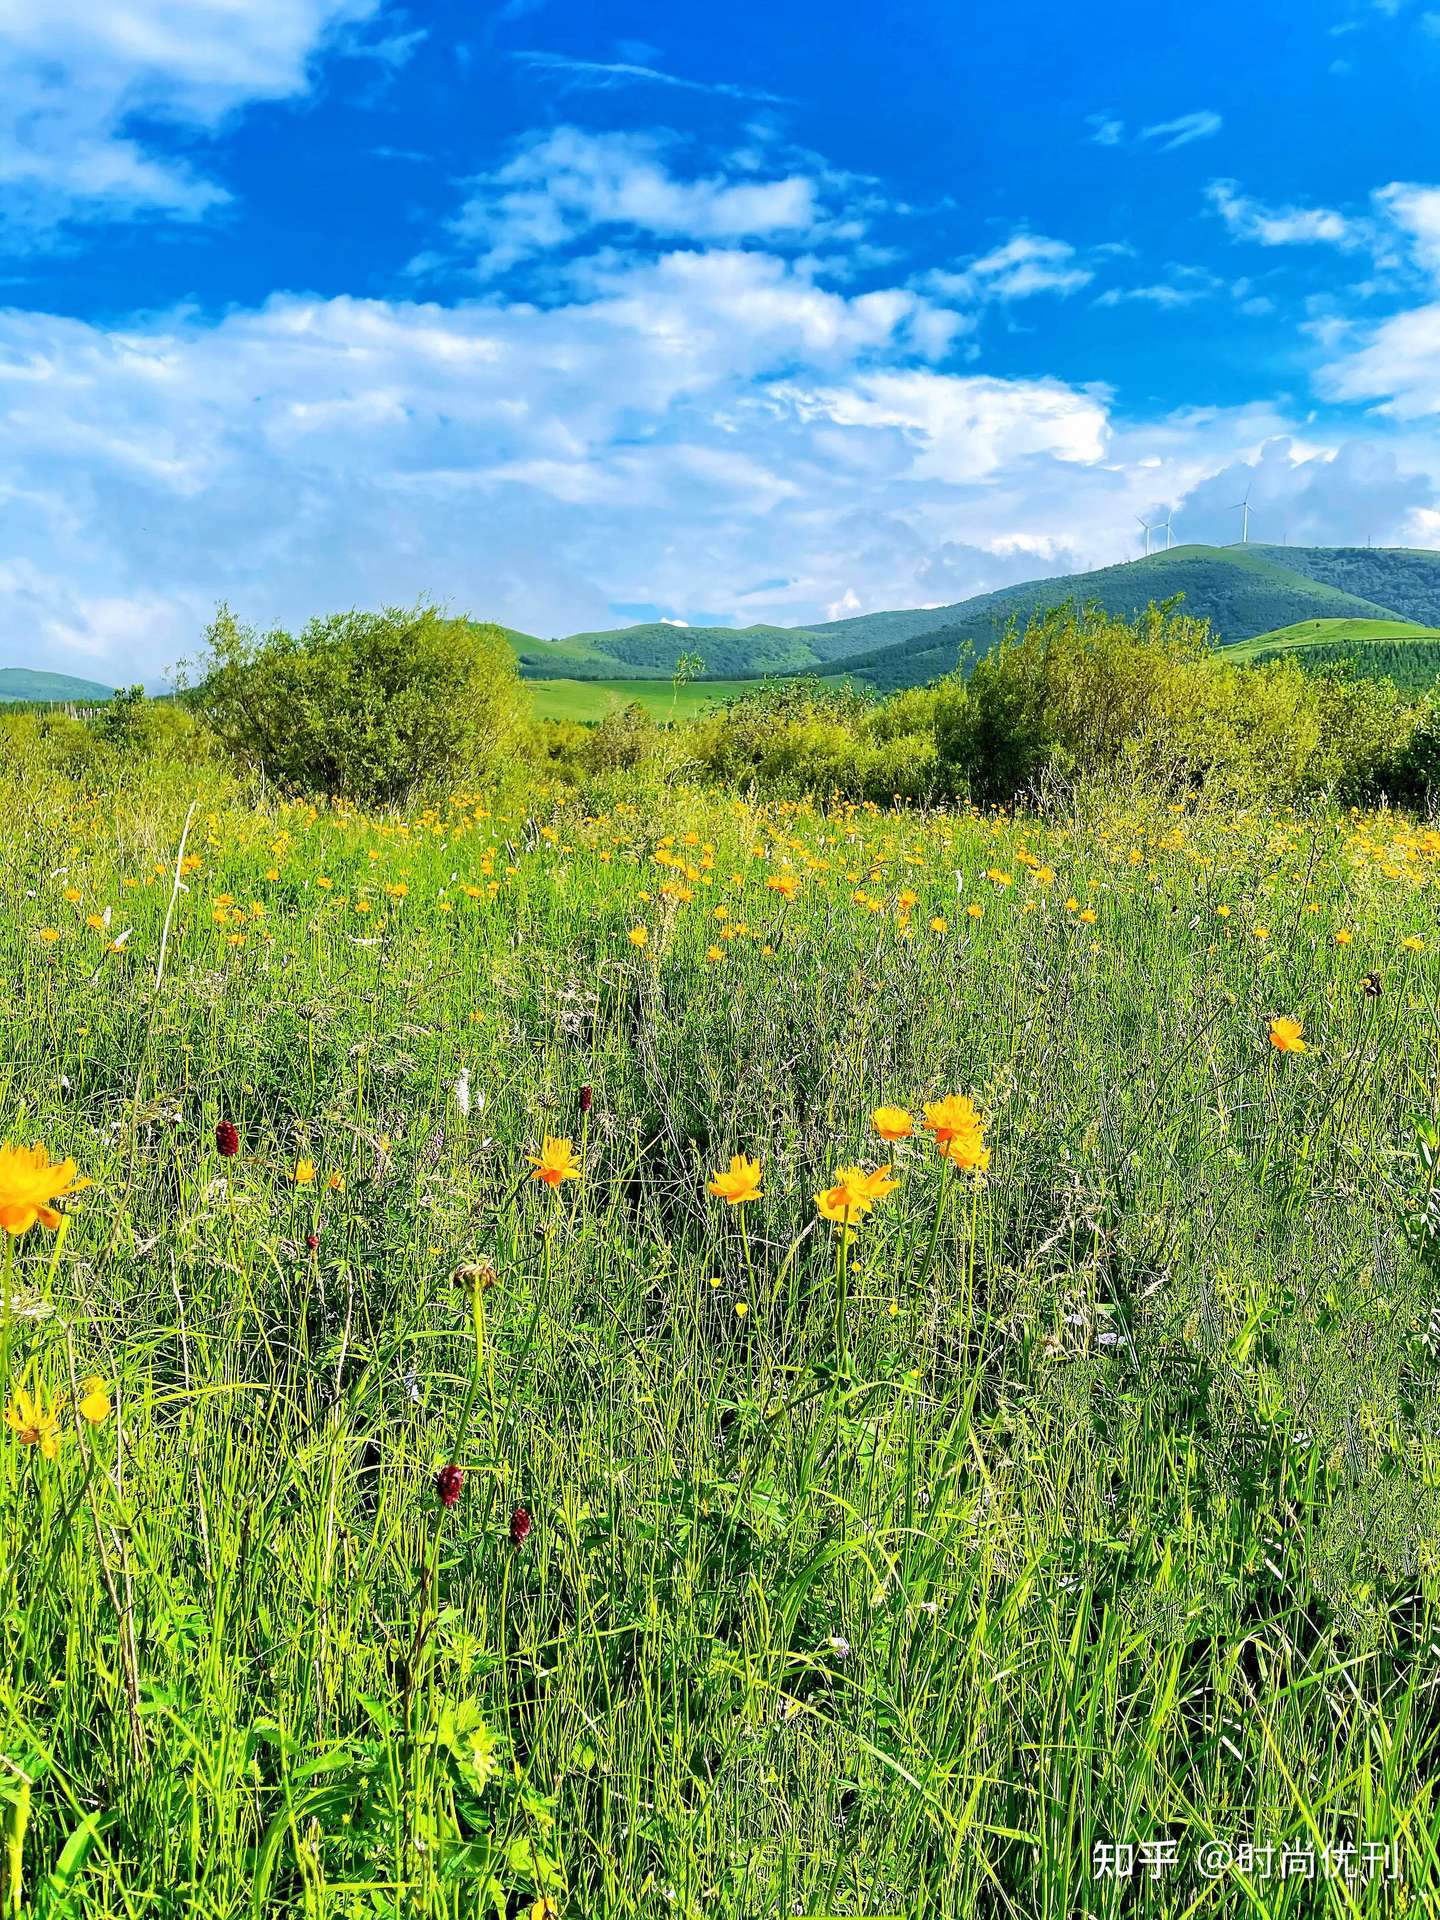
point(365, 705)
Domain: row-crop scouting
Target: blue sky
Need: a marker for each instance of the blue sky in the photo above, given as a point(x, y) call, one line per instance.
point(573, 315)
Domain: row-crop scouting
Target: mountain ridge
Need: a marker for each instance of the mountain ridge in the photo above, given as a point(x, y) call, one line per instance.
point(1244, 591)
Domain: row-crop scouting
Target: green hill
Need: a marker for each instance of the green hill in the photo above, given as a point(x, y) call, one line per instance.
point(650, 651)
point(1406, 580)
point(1378, 649)
point(1237, 589)
point(1244, 591)
point(27, 683)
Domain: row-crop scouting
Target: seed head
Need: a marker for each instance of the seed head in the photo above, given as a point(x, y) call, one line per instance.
point(476, 1276)
point(227, 1139)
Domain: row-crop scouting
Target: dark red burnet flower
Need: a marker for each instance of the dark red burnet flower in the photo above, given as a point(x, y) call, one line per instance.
point(587, 1099)
point(227, 1139)
point(448, 1482)
point(520, 1524)
point(312, 1241)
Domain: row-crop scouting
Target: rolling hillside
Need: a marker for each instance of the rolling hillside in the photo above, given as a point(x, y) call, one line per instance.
point(651, 651)
point(1404, 579)
point(27, 683)
point(1379, 649)
point(1243, 591)
point(1238, 591)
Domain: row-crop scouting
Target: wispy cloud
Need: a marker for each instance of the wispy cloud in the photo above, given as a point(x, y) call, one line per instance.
point(1026, 264)
point(604, 74)
point(1183, 131)
point(1106, 129)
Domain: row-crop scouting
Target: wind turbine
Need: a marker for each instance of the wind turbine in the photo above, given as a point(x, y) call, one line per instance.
point(1149, 529)
point(1164, 525)
point(1242, 507)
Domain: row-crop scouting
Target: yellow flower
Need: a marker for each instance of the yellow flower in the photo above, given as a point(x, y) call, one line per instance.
point(94, 1402)
point(959, 1131)
point(974, 910)
point(854, 1194)
point(1089, 916)
point(28, 1183)
point(939, 924)
point(336, 1183)
point(49, 935)
point(545, 1909)
point(1262, 933)
point(1343, 937)
point(554, 1162)
point(892, 1123)
point(1223, 911)
point(785, 884)
point(638, 936)
point(304, 1174)
point(967, 1151)
point(36, 1421)
point(737, 1183)
point(1285, 1034)
point(1412, 943)
point(1072, 905)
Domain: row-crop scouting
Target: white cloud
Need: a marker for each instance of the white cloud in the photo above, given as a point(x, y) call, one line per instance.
point(1106, 129)
point(76, 79)
point(1184, 129)
point(1416, 211)
point(603, 75)
point(1026, 264)
point(1249, 219)
point(569, 183)
point(1395, 364)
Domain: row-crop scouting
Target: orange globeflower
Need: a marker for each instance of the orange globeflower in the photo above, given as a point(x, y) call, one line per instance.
point(854, 1194)
point(28, 1183)
point(554, 1162)
point(892, 1123)
point(959, 1132)
point(1286, 1034)
point(737, 1184)
point(954, 1114)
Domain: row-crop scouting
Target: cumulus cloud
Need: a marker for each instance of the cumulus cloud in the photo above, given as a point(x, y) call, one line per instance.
point(674, 428)
point(1250, 219)
point(77, 79)
point(1395, 364)
point(567, 184)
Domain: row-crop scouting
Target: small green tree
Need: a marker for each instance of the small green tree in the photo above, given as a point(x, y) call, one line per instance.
point(368, 705)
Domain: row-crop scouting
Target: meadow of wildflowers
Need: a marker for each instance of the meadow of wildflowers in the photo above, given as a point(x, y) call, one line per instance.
point(647, 1354)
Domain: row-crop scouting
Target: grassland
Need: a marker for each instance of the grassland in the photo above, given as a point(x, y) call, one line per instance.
point(588, 700)
point(1092, 1497)
point(1379, 649)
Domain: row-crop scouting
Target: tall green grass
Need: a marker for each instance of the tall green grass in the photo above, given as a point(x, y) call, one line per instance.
point(1115, 1520)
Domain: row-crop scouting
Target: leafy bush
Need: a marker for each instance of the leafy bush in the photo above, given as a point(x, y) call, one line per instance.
point(365, 705)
